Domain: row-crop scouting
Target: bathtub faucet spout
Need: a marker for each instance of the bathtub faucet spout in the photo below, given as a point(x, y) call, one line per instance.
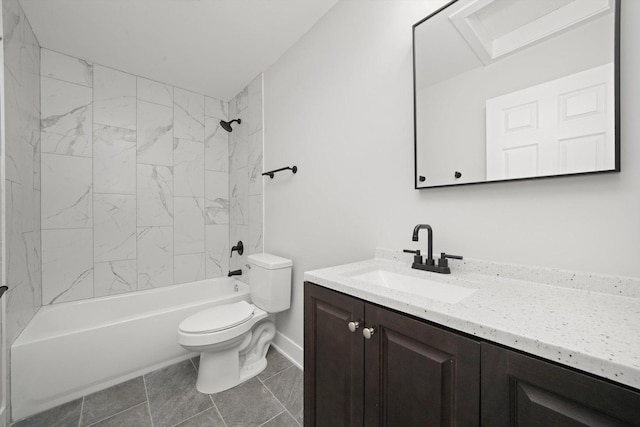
point(235, 273)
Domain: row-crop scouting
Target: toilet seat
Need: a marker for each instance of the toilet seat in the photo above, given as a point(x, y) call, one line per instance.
point(218, 318)
point(231, 329)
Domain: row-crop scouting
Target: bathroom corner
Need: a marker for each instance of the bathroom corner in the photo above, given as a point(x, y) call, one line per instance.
point(21, 189)
point(245, 174)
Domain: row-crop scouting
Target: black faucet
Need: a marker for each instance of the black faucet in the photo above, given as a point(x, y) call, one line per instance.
point(414, 237)
point(235, 273)
point(429, 263)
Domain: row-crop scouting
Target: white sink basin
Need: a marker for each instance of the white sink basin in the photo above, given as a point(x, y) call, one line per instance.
point(423, 287)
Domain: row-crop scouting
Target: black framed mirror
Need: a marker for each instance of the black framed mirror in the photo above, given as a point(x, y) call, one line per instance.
point(509, 90)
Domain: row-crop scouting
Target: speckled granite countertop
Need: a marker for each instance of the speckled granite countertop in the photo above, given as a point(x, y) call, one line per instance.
point(589, 322)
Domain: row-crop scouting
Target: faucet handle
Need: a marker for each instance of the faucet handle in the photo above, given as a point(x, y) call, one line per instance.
point(443, 262)
point(239, 247)
point(417, 259)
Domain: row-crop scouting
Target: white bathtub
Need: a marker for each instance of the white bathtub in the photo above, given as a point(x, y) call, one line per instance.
point(71, 349)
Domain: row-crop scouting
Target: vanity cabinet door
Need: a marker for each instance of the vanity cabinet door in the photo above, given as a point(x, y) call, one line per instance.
point(417, 374)
point(333, 358)
point(518, 390)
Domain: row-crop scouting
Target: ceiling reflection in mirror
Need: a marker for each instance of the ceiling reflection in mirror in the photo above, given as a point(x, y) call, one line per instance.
point(515, 89)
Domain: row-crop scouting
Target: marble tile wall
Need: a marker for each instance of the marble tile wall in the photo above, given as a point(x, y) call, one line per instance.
point(135, 182)
point(245, 173)
point(21, 161)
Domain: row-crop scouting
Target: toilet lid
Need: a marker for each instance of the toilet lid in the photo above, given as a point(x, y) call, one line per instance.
point(217, 318)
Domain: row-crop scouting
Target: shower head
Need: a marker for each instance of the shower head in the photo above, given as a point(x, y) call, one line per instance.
point(227, 125)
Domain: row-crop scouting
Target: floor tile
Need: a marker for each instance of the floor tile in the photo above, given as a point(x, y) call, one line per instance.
point(283, 420)
point(247, 405)
point(173, 396)
point(208, 418)
point(174, 401)
point(275, 363)
point(105, 403)
point(287, 387)
point(196, 362)
point(138, 416)
point(67, 415)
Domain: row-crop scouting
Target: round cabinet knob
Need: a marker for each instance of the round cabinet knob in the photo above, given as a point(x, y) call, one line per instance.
point(368, 332)
point(353, 326)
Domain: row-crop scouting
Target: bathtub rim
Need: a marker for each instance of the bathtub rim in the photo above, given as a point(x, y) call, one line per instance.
point(24, 338)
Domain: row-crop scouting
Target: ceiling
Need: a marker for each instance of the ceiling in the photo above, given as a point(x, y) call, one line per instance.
point(214, 47)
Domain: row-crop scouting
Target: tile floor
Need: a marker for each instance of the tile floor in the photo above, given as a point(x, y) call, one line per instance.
point(168, 397)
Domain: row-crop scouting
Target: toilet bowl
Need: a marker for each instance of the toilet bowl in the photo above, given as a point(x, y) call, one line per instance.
point(226, 336)
point(233, 339)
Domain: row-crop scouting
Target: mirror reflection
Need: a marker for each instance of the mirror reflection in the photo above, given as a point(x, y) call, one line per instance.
point(513, 89)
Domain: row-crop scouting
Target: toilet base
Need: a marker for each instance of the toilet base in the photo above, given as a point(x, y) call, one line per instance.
point(223, 369)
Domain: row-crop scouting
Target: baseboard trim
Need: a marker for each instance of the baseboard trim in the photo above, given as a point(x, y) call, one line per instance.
point(289, 349)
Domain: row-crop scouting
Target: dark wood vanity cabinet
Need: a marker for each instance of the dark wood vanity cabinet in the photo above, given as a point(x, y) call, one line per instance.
point(412, 373)
point(519, 390)
point(408, 373)
point(333, 359)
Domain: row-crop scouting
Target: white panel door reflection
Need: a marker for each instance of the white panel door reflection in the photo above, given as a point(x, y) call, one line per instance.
point(558, 127)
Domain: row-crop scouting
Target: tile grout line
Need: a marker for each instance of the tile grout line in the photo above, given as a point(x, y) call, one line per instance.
point(146, 393)
point(187, 419)
point(135, 178)
point(117, 413)
point(204, 185)
point(280, 371)
point(193, 364)
point(93, 194)
point(173, 186)
point(218, 410)
point(267, 387)
point(285, 369)
point(273, 418)
point(147, 101)
point(203, 411)
point(137, 168)
point(270, 392)
point(64, 81)
point(81, 411)
point(40, 174)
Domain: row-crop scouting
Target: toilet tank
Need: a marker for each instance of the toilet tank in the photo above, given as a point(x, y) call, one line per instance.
point(270, 282)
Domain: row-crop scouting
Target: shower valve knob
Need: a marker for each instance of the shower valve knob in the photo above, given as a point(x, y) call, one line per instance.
point(353, 326)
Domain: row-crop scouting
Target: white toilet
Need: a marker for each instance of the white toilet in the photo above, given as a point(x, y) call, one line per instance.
point(233, 339)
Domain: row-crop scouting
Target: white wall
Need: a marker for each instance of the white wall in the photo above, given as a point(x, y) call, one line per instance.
point(338, 104)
